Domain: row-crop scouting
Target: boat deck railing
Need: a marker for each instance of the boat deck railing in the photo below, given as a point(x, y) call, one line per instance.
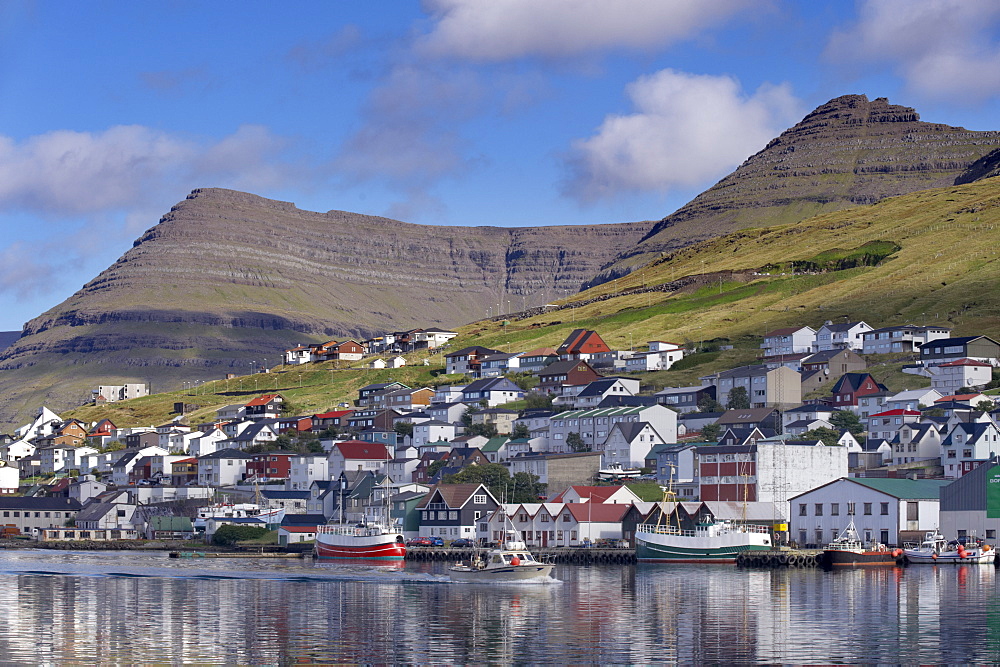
point(674, 530)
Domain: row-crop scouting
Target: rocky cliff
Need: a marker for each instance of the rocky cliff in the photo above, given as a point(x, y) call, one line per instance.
point(849, 151)
point(228, 277)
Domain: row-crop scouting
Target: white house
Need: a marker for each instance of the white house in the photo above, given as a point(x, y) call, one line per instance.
point(352, 455)
point(886, 510)
point(967, 445)
point(846, 335)
point(431, 431)
point(16, 450)
point(304, 469)
point(206, 442)
point(224, 467)
point(788, 340)
point(949, 377)
point(660, 357)
point(628, 444)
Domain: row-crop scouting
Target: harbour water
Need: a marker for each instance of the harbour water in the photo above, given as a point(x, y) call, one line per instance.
point(124, 608)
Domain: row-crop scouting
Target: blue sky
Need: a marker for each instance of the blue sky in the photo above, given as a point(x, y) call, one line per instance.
point(445, 112)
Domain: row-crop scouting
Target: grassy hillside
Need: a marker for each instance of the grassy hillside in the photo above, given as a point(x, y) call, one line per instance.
point(945, 272)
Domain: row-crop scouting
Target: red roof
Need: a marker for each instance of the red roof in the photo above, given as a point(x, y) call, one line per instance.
point(299, 529)
point(896, 413)
point(262, 400)
point(359, 449)
point(597, 512)
point(333, 414)
point(966, 362)
point(957, 397)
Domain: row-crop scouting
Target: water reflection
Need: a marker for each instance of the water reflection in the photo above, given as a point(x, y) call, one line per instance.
point(122, 608)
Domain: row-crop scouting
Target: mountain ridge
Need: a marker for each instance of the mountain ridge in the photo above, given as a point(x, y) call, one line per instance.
point(847, 152)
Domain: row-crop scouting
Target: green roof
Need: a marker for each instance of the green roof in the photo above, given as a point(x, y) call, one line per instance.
point(174, 523)
point(494, 444)
point(905, 489)
point(601, 412)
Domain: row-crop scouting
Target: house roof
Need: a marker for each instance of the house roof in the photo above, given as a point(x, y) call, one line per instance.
point(843, 326)
point(263, 400)
point(334, 414)
point(785, 331)
point(563, 368)
point(579, 338)
point(312, 520)
point(359, 449)
point(307, 529)
point(174, 523)
point(228, 453)
point(455, 495)
point(745, 416)
point(597, 512)
point(965, 362)
point(904, 489)
point(897, 413)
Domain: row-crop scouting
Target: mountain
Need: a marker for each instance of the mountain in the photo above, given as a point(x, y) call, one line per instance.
point(228, 278)
point(848, 152)
point(922, 258)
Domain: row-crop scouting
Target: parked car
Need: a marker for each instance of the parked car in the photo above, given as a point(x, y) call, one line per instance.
point(436, 541)
point(420, 542)
point(462, 542)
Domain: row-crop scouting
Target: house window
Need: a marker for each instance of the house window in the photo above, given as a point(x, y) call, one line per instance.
point(479, 500)
point(819, 509)
point(850, 509)
point(884, 509)
point(868, 509)
point(452, 515)
point(802, 509)
point(545, 518)
point(834, 509)
point(566, 518)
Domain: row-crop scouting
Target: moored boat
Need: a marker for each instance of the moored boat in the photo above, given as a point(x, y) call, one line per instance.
point(359, 541)
point(710, 542)
point(848, 550)
point(509, 561)
point(935, 549)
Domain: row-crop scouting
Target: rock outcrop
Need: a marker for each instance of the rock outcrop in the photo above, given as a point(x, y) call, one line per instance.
point(849, 151)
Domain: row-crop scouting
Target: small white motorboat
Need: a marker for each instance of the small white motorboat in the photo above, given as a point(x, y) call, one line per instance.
point(936, 549)
point(510, 561)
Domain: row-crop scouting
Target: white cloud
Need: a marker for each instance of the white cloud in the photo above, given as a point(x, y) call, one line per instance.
point(686, 130)
point(505, 29)
point(22, 274)
point(941, 48)
point(66, 172)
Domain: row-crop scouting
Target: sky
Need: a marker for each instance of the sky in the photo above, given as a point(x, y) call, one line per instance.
point(441, 112)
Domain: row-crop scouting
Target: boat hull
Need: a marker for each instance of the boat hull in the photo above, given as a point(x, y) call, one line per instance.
point(656, 548)
point(501, 574)
point(363, 547)
point(856, 559)
point(951, 558)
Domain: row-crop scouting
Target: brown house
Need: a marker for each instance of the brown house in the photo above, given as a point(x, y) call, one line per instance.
point(823, 367)
point(555, 376)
